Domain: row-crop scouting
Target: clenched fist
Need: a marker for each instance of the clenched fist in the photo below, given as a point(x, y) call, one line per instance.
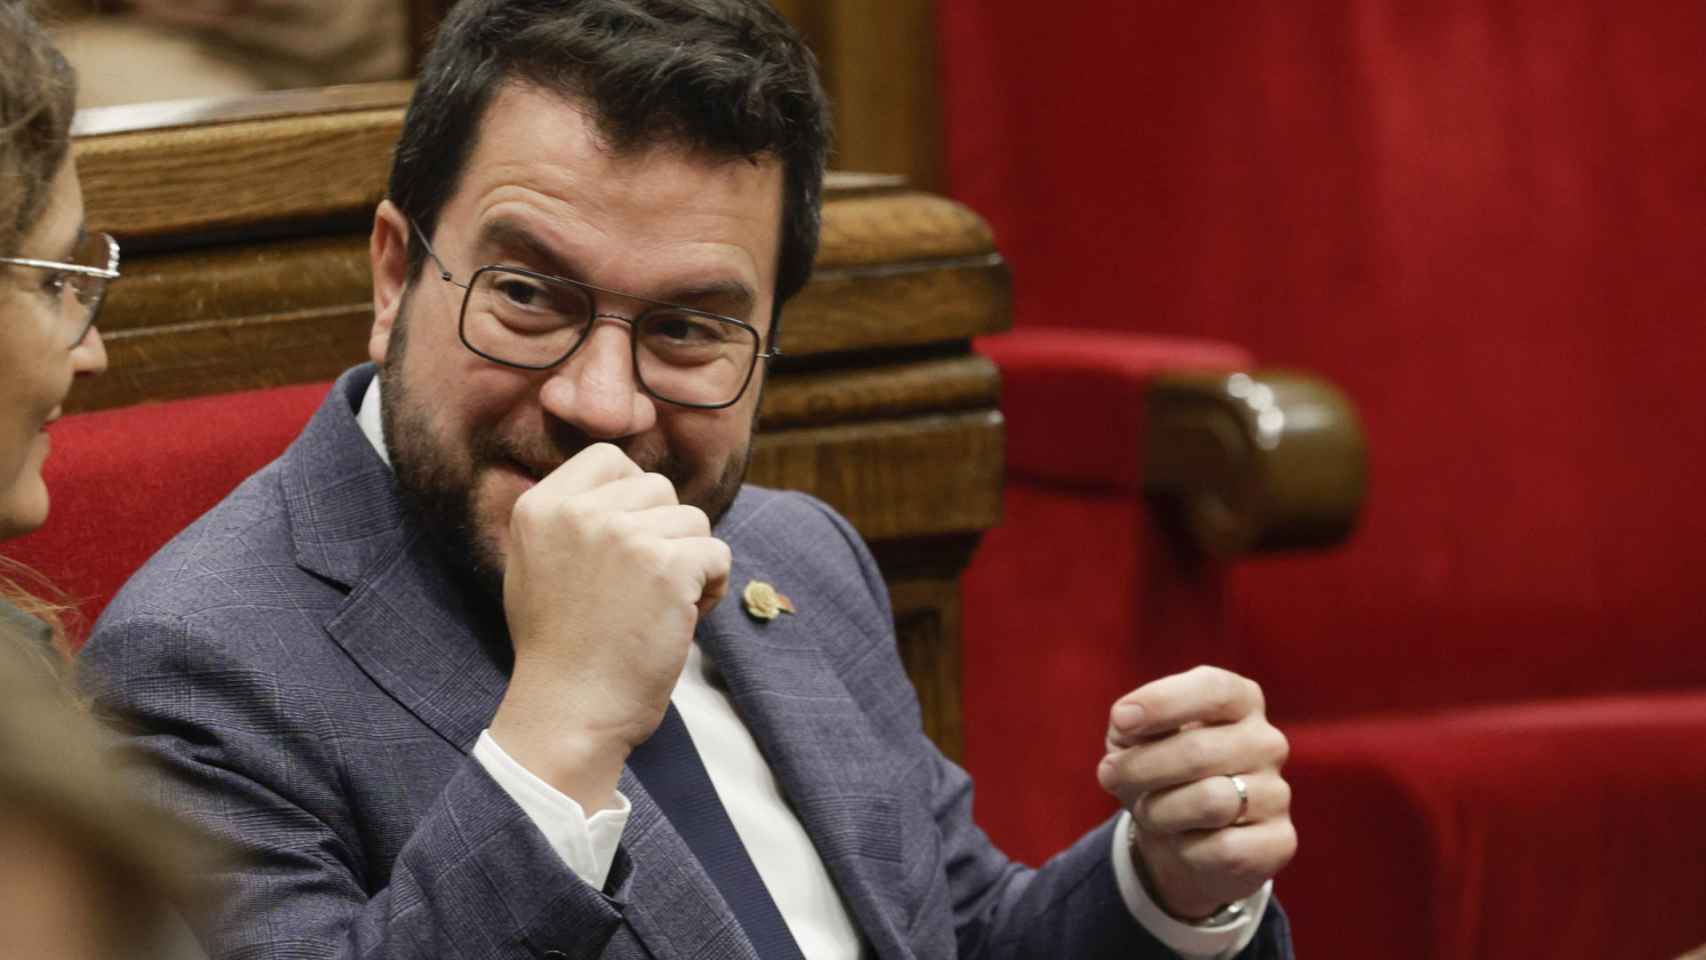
point(1178, 751)
point(606, 576)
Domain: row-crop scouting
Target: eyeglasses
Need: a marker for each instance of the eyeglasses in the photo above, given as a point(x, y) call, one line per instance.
point(532, 321)
point(84, 277)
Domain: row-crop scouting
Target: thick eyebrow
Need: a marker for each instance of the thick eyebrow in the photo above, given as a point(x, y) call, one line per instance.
point(506, 235)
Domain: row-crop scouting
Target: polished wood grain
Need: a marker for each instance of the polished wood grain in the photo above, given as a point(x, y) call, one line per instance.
point(202, 180)
point(878, 60)
point(1255, 462)
point(914, 477)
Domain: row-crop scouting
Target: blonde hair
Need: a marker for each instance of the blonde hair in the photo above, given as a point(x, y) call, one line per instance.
point(38, 97)
point(34, 594)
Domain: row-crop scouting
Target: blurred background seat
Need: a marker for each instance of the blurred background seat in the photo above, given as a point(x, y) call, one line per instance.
point(1481, 220)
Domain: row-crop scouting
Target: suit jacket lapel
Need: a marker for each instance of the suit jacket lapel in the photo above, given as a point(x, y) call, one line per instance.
point(407, 623)
point(817, 740)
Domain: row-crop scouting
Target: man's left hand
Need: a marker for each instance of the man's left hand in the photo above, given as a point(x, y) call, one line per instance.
point(1174, 747)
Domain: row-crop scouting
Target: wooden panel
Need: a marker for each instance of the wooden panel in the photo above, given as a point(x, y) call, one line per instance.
point(904, 305)
point(902, 387)
point(207, 179)
point(918, 477)
point(927, 626)
point(878, 59)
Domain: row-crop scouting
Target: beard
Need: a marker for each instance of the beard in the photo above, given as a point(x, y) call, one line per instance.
point(437, 484)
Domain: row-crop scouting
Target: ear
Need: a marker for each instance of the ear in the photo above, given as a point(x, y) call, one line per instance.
point(388, 255)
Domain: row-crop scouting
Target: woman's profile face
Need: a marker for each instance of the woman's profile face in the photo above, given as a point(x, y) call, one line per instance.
point(36, 363)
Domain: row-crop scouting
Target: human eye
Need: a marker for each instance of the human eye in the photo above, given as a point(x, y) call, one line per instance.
point(687, 337)
point(55, 282)
point(529, 304)
point(515, 290)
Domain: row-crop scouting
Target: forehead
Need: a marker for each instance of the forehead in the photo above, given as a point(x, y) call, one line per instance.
point(542, 161)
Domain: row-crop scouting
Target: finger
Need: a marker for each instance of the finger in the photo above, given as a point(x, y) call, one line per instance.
point(671, 521)
point(597, 465)
point(716, 587)
point(1207, 695)
point(1213, 804)
point(706, 561)
point(641, 491)
point(1191, 755)
point(1242, 859)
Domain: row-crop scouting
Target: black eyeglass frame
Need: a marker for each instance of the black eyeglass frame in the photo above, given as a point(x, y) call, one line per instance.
point(107, 275)
point(758, 352)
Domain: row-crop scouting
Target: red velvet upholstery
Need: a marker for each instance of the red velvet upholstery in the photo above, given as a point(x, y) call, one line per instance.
point(1561, 828)
point(1482, 219)
point(130, 479)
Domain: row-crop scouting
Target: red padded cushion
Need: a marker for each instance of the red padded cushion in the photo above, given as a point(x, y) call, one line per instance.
point(125, 481)
point(1560, 828)
point(1074, 399)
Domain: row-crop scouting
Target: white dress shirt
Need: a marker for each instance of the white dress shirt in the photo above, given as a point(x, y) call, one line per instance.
point(779, 846)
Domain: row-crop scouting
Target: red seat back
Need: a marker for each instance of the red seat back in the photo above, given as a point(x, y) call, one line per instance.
point(125, 481)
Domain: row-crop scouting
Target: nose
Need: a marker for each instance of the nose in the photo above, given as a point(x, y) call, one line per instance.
point(595, 390)
point(89, 356)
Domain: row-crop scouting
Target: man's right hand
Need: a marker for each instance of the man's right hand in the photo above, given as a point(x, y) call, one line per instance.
point(606, 575)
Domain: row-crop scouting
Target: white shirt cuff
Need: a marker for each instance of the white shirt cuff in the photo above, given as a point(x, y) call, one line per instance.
point(587, 846)
point(1190, 942)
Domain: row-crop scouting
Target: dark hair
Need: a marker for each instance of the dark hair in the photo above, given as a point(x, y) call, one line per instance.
point(38, 94)
point(729, 77)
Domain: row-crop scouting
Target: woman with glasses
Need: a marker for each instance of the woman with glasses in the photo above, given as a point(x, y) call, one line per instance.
point(82, 865)
point(53, 273)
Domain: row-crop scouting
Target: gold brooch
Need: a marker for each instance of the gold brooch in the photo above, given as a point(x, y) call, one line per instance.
point(762, 602)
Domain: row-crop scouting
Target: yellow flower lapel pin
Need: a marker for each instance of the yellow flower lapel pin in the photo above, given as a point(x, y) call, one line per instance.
point(762, 602)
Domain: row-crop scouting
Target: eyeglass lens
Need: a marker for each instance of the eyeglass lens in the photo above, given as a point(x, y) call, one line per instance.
point(100, 251)
point(680, 355)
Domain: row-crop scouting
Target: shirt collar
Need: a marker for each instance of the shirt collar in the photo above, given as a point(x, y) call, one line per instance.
point(371, 423)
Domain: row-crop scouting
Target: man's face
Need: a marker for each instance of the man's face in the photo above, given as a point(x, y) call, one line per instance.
point(542, 191)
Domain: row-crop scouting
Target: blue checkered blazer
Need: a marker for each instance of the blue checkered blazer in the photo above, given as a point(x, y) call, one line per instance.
point(308, 679)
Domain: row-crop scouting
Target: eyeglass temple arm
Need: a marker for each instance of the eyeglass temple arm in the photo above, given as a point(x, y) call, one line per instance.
point(443, 271)
point(98, 272)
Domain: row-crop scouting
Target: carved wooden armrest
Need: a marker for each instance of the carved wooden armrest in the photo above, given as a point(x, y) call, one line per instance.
point(1255, 462)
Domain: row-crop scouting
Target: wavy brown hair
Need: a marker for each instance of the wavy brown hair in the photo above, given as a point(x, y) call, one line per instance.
point(38, 96)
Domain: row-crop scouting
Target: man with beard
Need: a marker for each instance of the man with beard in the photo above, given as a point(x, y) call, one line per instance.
point(454, 671)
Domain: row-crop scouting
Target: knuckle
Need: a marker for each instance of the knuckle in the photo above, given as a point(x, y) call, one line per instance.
point(1282, 795)
point(1253, 692)
point(1279, 746)
point(1148, 811)
point(659, 487)
point(700, 521)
